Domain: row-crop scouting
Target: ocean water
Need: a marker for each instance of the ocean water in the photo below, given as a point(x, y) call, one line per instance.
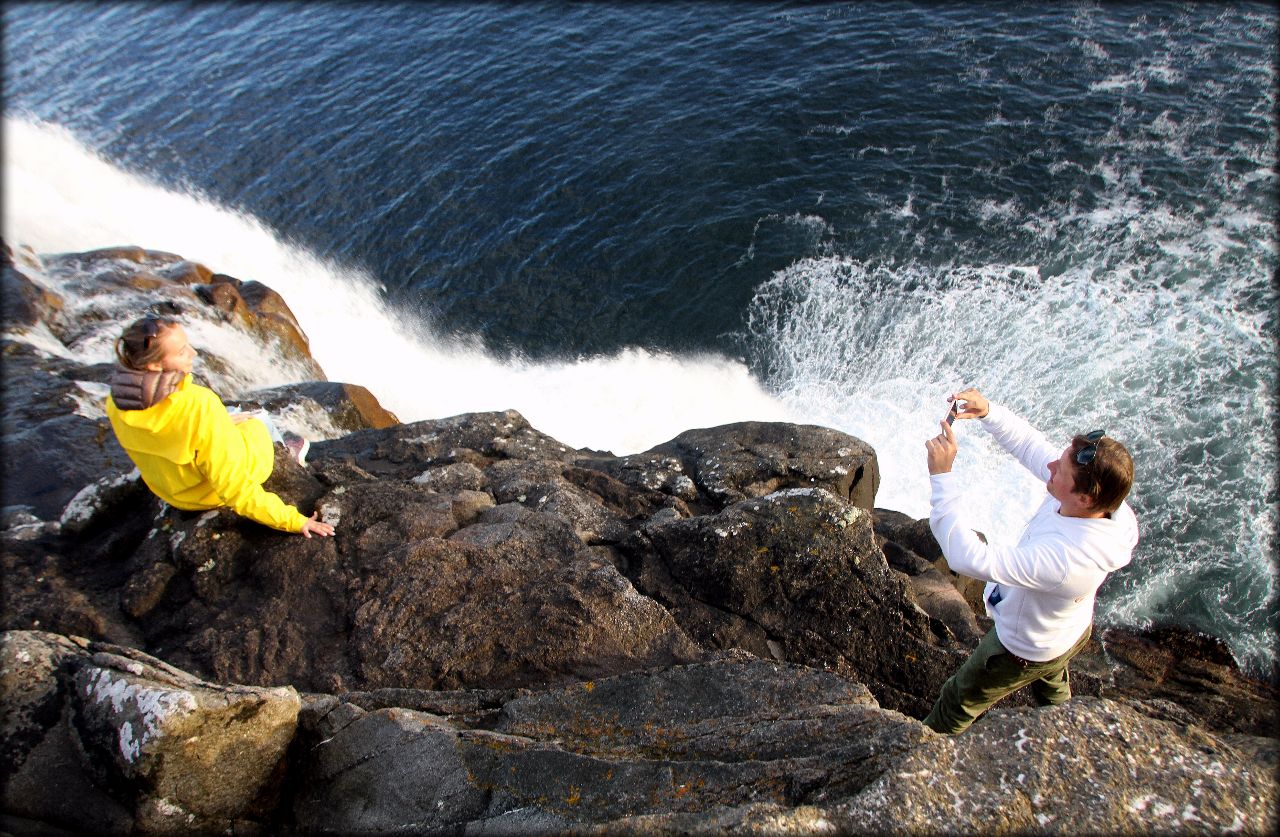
point(626, 220)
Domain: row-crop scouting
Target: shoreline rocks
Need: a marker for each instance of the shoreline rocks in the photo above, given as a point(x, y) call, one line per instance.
point(733, 743)
point(510, 635)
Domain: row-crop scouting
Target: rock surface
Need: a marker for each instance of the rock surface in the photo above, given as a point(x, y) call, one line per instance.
point(60, 307)
point(1090, 765)
point(508, 635)
point(139, 744)
point(731, 744)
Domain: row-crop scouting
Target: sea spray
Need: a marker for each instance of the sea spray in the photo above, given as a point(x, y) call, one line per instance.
point(69, 198)
point(1179, 368)
point(1078, 203)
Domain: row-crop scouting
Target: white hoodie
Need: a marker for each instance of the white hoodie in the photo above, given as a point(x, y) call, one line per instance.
point(1045, 586)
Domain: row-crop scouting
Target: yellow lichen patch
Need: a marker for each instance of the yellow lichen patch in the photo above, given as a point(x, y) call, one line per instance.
point(589, 685)
point(575, 795)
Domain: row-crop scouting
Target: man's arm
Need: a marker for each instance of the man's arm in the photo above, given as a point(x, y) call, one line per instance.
point(1036, 567)
point(1022, 441)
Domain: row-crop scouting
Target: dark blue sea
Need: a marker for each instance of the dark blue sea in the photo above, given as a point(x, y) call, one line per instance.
point(630, 219)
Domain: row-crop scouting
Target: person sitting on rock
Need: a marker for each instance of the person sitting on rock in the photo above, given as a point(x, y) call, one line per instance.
point(1040, 593)
point(192, 453)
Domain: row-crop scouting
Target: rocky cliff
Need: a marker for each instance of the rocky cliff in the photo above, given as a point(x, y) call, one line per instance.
point(508, 635)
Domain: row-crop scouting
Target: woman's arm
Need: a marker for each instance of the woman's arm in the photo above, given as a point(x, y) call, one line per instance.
point(224, 459)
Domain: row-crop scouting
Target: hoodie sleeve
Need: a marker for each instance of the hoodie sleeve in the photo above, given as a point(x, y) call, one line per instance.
point(1036, 566)
point(224, 460)
point(1022, 441)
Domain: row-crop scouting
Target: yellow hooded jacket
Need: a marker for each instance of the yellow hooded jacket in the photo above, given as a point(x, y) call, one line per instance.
point(194, 457)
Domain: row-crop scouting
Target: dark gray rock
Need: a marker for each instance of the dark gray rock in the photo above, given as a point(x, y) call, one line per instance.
point(1192, 674)
point(751, 459)
point(734, 744)
point(795, 575)
point(42, 763)
point(1088, 766)
point(950, 616)
point(23, 302)
point(685, 738)
point(143, 747)
point(56, 436)
point(912, 538)
point(410, 451)
point(345, 407)
point(237, 602)
point(512, 599)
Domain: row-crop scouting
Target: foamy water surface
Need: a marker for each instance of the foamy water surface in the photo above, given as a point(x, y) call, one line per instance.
point(627, 221)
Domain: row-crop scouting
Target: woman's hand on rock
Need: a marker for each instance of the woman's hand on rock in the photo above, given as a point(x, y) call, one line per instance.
point(316, 526)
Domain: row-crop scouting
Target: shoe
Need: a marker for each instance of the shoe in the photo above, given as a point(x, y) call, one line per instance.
point(297, 447)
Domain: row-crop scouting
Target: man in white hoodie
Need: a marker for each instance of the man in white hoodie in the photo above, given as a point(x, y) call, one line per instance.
point(1040, 592)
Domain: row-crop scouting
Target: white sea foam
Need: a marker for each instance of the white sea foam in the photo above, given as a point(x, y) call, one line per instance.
point(61, 197)
point(1178, 366)
point(1164, 349)
point(1117, 82)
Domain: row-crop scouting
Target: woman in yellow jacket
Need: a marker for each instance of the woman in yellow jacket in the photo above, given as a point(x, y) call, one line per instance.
point(191, 452)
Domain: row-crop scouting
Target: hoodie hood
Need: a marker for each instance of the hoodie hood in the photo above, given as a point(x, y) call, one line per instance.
point(149, 429)
point(1108, 541)
point(134, 390)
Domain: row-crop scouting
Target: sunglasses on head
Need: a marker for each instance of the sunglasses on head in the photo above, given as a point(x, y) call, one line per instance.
point(1089, 452)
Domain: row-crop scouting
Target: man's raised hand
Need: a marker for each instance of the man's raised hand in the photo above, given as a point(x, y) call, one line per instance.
point(941, 449)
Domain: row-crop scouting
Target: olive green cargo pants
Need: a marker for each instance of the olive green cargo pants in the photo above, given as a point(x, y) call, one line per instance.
point(992, 673)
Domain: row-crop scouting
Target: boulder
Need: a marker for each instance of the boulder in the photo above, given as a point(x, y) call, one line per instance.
point(43, 764)
point(434, 589)
point(45, 591)
point(751, 459)
point(910, 549)
point(410, 451)
point(685, 738)
point(950, 615)
point(1089, 766)
point(23, 302)
point(1185, 676)
point(734, 743)
point(449, 593)
point(343, 408)
point(235, 601)
point(262, 311)
point(795, 575)
point(148, 749)
point(910, 546)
